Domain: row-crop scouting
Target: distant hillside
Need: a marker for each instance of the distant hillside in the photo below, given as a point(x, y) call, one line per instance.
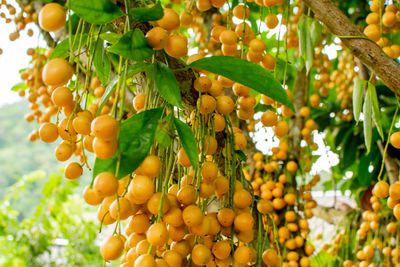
point(19, 156)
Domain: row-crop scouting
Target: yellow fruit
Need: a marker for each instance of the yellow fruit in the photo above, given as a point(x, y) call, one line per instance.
point(52, 17)
point(57, 72)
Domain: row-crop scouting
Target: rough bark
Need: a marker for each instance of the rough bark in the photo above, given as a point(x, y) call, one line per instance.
point(366, 50)
point(328, 214)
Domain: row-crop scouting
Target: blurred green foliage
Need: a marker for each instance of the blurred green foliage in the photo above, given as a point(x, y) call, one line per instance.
point(19, 156)
point(61, 231)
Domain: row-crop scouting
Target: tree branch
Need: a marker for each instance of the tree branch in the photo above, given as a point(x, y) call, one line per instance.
point(329, 214)
point(367, 51)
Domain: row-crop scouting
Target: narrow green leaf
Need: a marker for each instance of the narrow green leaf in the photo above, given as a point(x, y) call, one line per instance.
point(246, 73)
point(96, 11)
point(136, 137)
point(358, 90)
point(367, 111)
point(143, 14)
point(376, 113)
point(309, 31)
point(166, 83)
point(107, 94)
point(302, 32)
point(309, 56)
point(188, 141)
point(62, 49)
point(19, 86)
point(241, 155)
point(315, 31)
point(111, 37)
point(132, 45)
point(101, 62)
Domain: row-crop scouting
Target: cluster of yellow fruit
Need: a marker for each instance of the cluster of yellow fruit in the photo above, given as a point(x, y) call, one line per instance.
point(378, 229)
point(345, 75)
point(166, 227)
point(206, 217)
point(21, 20)
point(47, 81)
point(279, 202)
point(342, 78)
point(382, 21)
point(323, 66)
point(38, 94)
point(383, 190)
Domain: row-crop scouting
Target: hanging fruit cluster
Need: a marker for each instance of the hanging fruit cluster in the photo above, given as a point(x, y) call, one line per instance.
point(383, 20)
point(26, 16)
point(164, 98)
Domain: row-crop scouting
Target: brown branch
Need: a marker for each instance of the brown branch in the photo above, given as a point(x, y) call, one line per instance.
point(391, 166)
point(367, 51)
point(329, 214)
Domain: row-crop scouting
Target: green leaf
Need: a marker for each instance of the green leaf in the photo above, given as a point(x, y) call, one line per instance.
point(315, 31)
point(309, 31)
point(132, 45)
point(322, 259)
point(19, 86)
point(376, 113)
point(111, 37)
point(74, 21)
point(136, 68)
point(143, 14)
point(302, 32)
point(367, 111)
point(62, 50)
point(246, 73)
point(101, 62)
point(241, 155)
point(166, 83)
point(309, 51)
point(107, 94)
point(136, 137)
point(358, 90)
point(165, 131)
point(188, 141)
point(96, 11)
point(348, 153)
point(261, 107)
point(104, 165)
